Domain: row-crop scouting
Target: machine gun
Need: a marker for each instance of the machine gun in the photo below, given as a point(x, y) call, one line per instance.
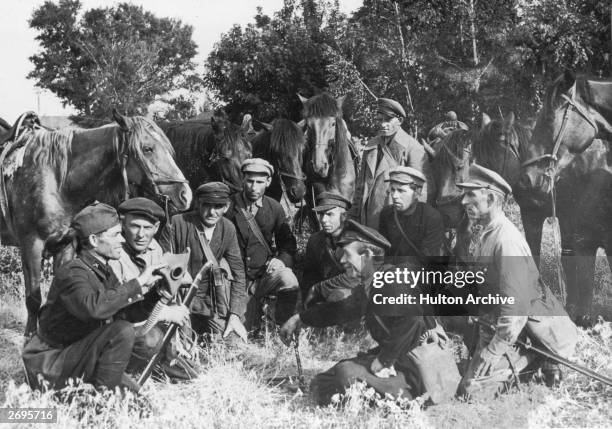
point(552, 356)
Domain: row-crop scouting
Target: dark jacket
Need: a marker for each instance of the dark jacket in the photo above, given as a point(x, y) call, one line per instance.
point(273, 223)
point(184, 233)
point(424, 228)
point(84, 294)
point(391, 326)
point(320, 260)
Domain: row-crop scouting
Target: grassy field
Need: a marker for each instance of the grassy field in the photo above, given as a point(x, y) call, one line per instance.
point(234, 389)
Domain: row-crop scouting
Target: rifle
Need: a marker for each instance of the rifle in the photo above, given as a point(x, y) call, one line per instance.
point(173, 326)
point(553, 356)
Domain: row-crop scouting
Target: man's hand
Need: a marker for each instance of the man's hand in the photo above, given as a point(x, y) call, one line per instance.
point(175, 313)
point(486, 362)
point(147, 278)
point(274, 264)
point(290, 328)
point(235, 325)
point(381, 371)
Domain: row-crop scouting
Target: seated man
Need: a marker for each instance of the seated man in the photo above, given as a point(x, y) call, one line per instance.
point(412, 227)
point(211, 237)
point(322, 258)
point(259, 220)
point(397, 328)
point(140, 221)
point(510, 272)
point(79, 334)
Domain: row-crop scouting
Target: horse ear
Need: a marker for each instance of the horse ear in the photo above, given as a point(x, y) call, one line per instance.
point(484, 120)
point(266, 125)
point(509, 120)
point(302, 99)
point(302, 124)
point(120, 119)
point(340, 101)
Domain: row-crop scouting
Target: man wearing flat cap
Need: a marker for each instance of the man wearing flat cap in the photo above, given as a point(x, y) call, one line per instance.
point(414, 228)
point(261, 220)
point(140, 220)
point(395, 327)
point(510, 272)
point(322, 258)
point(441, 130)
point(79, 334)
point(212, 238)
point(391, 148)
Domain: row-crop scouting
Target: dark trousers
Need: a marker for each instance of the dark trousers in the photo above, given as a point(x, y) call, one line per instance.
point(338, 378)
point(100, 358)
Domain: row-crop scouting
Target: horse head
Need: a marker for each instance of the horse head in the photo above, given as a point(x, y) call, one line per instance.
point(282, 143)
point(568, 122)
point(450, 166)
point(231, 149)
point(321, 112)
point(147, 160)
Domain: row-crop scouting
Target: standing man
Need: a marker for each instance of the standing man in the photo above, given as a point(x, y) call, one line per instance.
point(212, 238)
point(322, 258)
point(391, 148)
point(510, 272)
point(79, 334)
point(259, 220)
point(395, 327)
point(412, 227)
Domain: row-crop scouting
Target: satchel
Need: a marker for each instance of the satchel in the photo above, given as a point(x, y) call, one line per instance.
point(437, 369)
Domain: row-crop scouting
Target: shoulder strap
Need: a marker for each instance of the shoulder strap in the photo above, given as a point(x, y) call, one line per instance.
point(210, 256)
point(250, 219)
point(405, 237)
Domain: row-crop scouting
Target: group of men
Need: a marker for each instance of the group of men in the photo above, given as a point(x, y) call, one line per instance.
point(87, 324)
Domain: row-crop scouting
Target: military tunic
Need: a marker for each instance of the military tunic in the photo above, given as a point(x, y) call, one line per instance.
point(321, 260)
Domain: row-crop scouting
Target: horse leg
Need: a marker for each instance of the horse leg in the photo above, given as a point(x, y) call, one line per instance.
point(580, 292)
point(31, 258)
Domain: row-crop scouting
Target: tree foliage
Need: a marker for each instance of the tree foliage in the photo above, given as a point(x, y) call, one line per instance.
point(118, 57)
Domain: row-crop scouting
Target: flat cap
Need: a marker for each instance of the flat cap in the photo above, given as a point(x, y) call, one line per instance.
point(480, 177)
point(257, 166)
point(142, 207)
point(389, 107)
point(354, 231)
point(329, 200)
point(213, 193)
point(406, 175)
point(95, 218)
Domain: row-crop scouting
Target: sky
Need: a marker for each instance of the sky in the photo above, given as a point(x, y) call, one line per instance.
point(209, 18)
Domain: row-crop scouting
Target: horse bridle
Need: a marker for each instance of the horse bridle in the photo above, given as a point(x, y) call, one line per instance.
point(156, 180)
point(570, 105)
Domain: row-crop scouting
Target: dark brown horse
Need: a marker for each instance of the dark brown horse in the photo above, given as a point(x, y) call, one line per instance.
point(209, 151)
point(282, 144)
point(50, 175)
point(576, 111)
point(329, 160)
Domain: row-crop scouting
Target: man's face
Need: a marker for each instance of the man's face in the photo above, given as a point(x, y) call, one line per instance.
point(387, 125)
point(255, 185)
point(476, 203)
point(139, 231)
point(332, 220)
point(211, 213)
point(403, 196)
point(107, 244)
point(355, 264)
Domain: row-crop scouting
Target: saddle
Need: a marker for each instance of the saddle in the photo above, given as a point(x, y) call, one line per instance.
point(26, 121)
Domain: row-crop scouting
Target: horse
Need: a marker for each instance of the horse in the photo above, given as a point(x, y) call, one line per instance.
point(282, 144)
point(329, 160)
point(209, 151)
point(48, 176)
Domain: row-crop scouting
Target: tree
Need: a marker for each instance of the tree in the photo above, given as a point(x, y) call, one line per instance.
point(122, 56)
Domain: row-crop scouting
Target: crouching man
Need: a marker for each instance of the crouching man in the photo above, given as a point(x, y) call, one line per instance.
point(535, 315)
point(79, 333)
point(397, 328)
point(140, 219)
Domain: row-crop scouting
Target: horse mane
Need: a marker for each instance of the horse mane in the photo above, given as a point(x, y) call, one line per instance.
point(284, 143)
point(321, 105)
point(48, 148)
point(140, 125)
point(5, 124)
point(517, 136)
point(198, 132)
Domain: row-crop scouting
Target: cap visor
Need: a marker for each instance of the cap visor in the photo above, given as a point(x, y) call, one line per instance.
point(324, 208)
